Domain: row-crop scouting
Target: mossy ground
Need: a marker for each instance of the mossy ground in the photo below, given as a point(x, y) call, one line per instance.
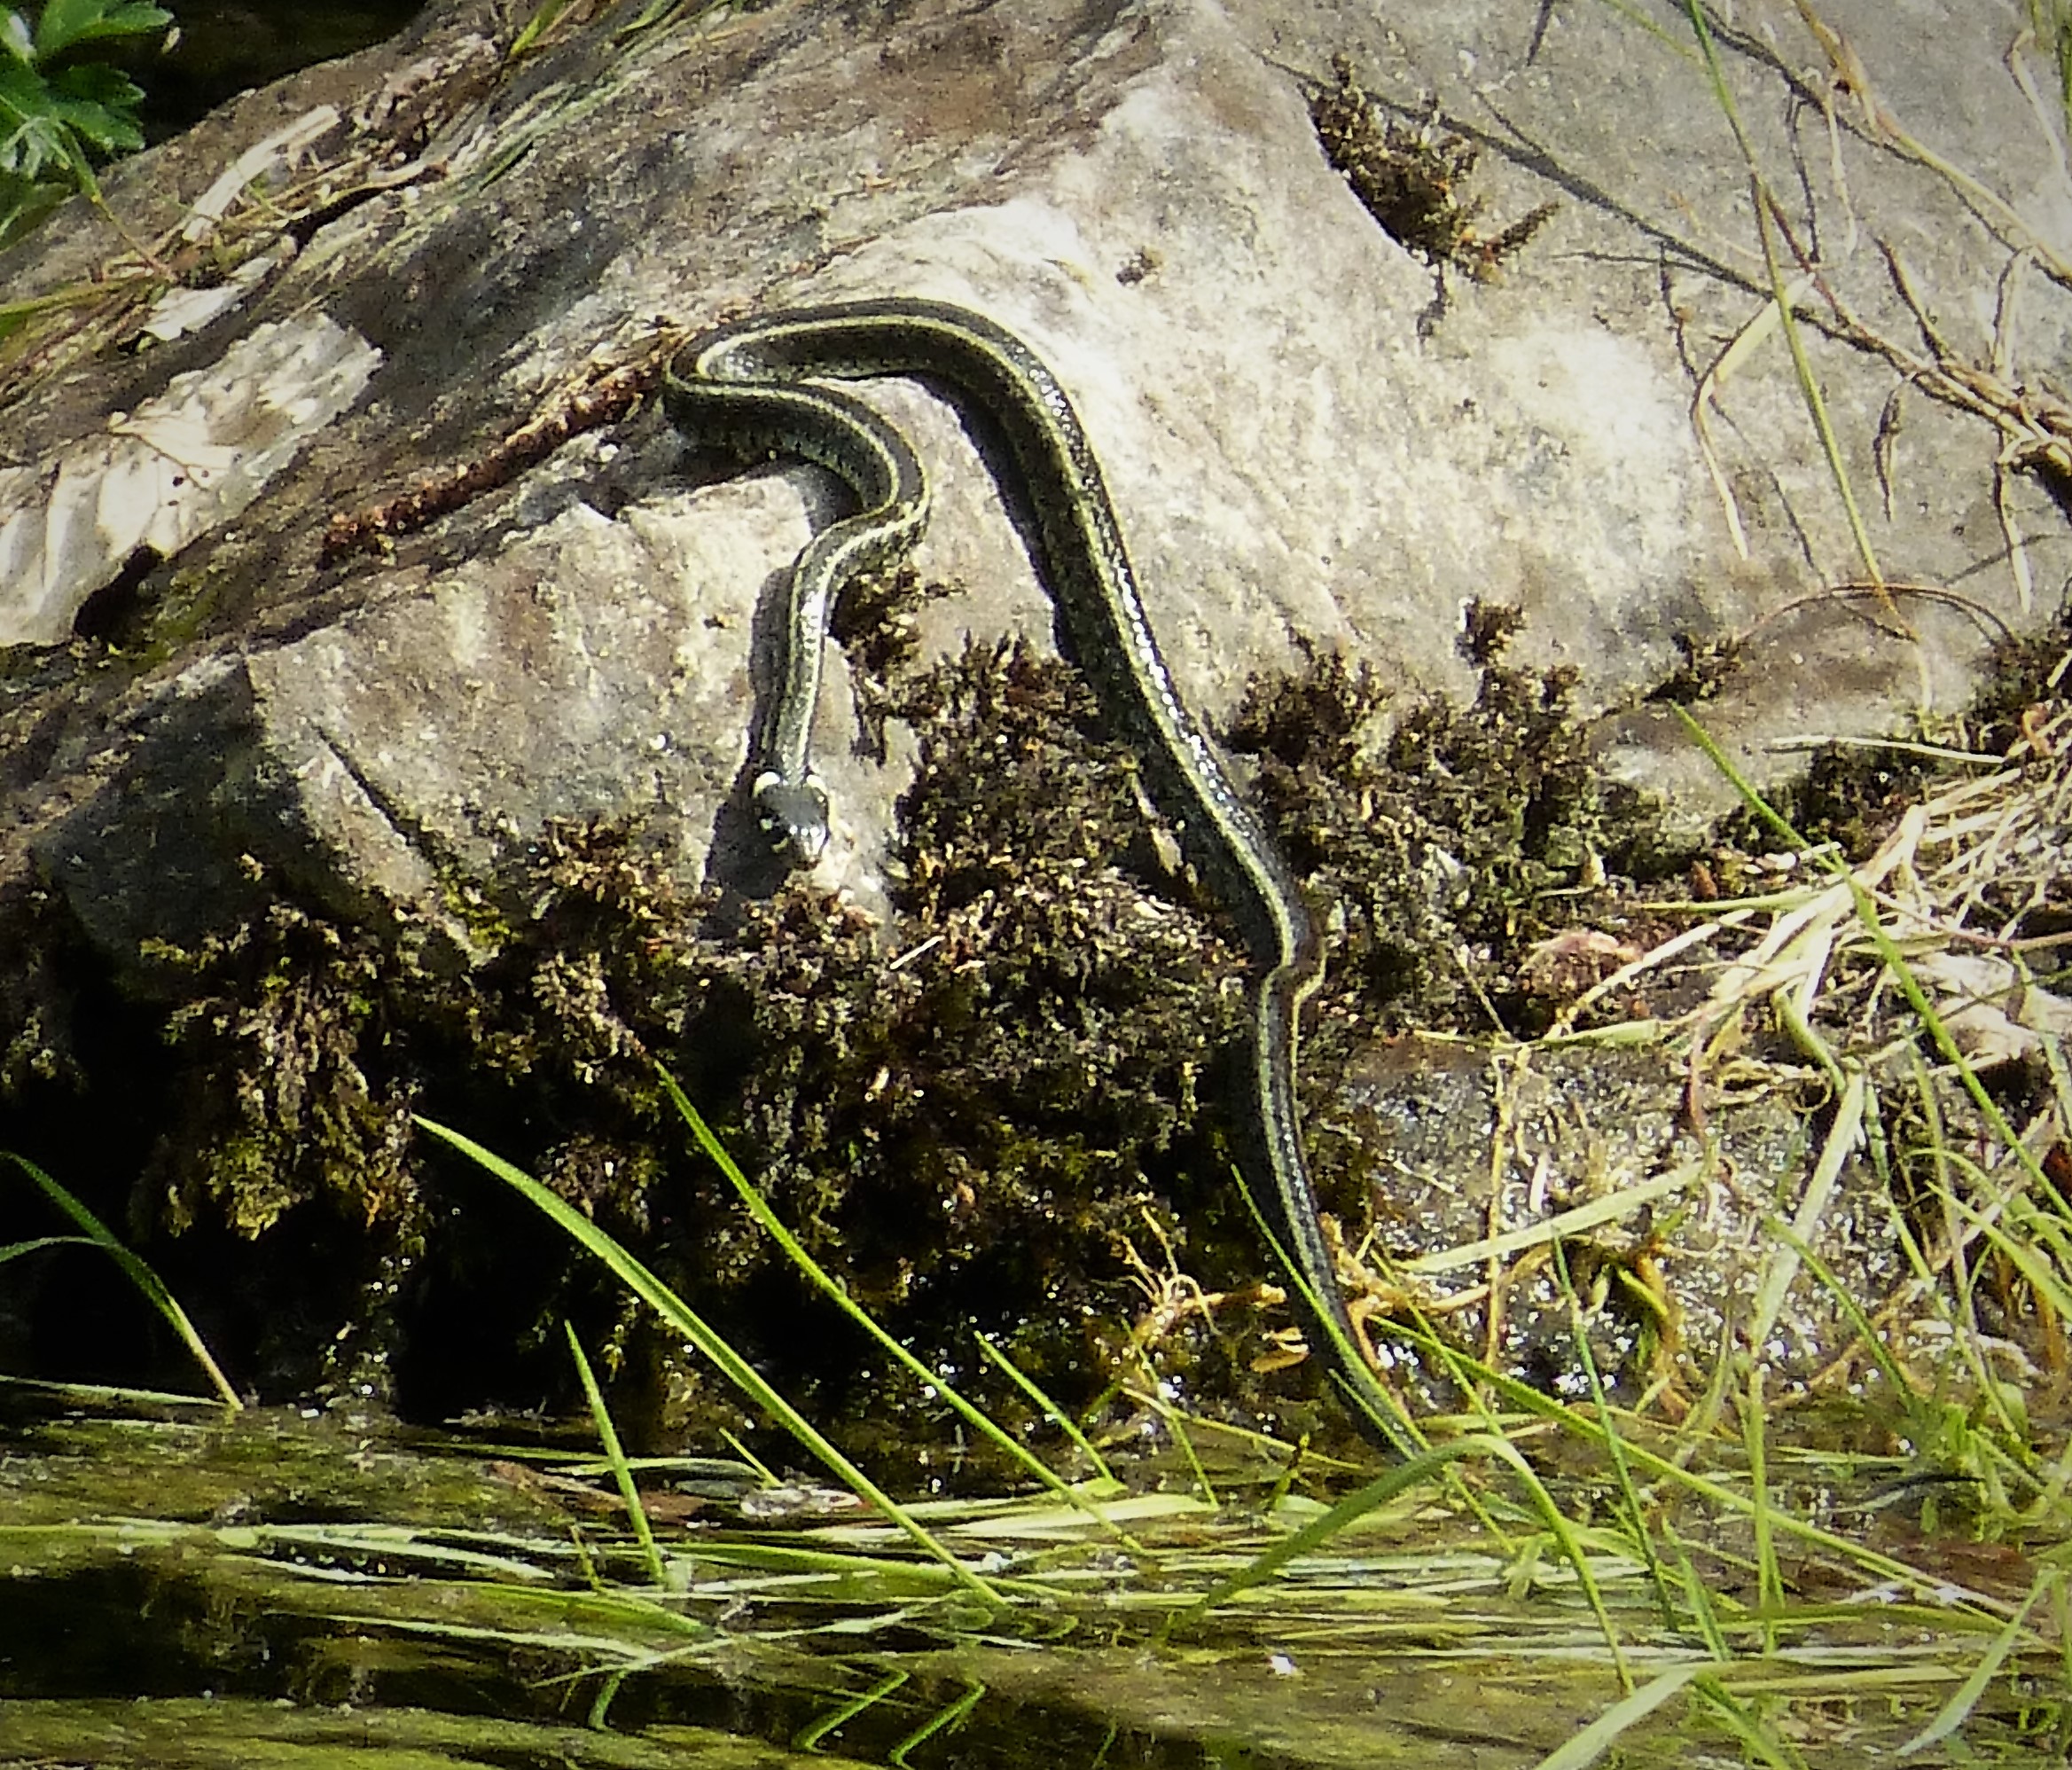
point(1010, 1115)
point(969, 1122)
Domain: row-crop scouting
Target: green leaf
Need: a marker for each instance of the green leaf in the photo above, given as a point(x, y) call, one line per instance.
point(24, 204)
point(66, 22)
point(147, 1282)
point(33, 132)
point(14, 36)
point(99, 105)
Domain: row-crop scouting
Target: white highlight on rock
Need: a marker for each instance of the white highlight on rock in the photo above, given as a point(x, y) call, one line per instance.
point(280, 153)
point(159, 477)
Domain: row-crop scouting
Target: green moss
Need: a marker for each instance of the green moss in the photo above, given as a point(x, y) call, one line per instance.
point(1452, 839)
point(968, 1126)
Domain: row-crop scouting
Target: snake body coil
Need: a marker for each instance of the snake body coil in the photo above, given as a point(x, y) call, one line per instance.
point(743, 386)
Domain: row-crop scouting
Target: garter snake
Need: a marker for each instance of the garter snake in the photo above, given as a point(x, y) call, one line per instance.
point(745, 386)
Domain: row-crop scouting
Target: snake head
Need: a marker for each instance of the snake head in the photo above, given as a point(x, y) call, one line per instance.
point(793, 815)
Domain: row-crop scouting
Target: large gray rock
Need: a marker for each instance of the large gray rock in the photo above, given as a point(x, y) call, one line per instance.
point(1305, 446)
point(1317, 438)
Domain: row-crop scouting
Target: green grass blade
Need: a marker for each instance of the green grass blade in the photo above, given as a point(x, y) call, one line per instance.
point(1781, 1268)
point(147, 1282)
point(1628, 1712)
point(1350, 1372)
point(758, 1207)
point(616, 1454)
point(808, 1738)
point(1047, 1407)
point(1956, 1710)
point(98, 1395)
point(1633, 15)
point(1378, 1492)
point(738, 1371)
point(1887, 949)
point(1758, 1737)
point(1580, 1426)
point(1630, 1503)
point(14, 1250)
point(944, 1720)
point(1769, 1576)
point(1780, 294)
point(1698, 1598)
point(534, 28)
point(1875, 1346)
point(1176, 1424)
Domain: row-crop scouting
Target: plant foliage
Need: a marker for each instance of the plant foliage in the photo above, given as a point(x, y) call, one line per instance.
point(57, 112)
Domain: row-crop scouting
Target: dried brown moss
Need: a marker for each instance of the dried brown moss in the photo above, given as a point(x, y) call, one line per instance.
point(1412, 179)
point(1450, 840)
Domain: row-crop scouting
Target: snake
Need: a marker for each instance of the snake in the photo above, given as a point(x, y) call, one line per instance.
point(756, 387)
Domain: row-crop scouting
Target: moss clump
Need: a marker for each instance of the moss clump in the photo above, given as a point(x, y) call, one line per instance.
point(278, 1017)
point(962, 1133)
point(1452, 842)
point(1413, 180)
point(966, 1126)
